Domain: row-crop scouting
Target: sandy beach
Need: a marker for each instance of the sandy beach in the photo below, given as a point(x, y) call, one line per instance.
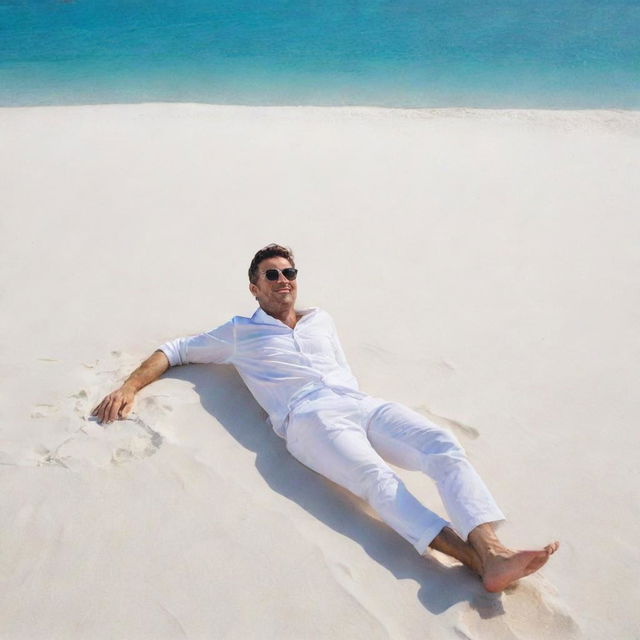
point(481, 266)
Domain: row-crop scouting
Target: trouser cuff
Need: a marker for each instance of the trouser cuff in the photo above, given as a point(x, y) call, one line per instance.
point(427, 537)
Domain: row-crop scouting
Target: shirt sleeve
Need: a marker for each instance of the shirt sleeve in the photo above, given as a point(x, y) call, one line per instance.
point(217, 345)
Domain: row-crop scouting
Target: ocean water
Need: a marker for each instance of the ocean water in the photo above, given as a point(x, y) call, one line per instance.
point(403, 53)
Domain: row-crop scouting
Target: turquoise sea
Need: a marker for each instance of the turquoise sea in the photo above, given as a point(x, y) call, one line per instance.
point(402, 53)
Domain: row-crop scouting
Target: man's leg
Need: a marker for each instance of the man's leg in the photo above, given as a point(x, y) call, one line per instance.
point(327, 436)
point(451, 544)
point(409, 440)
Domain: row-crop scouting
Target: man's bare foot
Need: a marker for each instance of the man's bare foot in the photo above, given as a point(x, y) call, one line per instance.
point(497, 566)
point(504, 567)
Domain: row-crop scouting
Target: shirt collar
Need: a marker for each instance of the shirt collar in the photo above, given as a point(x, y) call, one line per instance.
point(261, 317)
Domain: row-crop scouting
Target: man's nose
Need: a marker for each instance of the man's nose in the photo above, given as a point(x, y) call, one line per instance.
point(281, 277)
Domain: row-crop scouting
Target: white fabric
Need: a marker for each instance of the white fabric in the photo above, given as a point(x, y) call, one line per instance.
point(278, 364)
point(302, 380)
point(348, 439)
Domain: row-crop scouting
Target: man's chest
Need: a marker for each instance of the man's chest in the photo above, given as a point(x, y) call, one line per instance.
point(310, 341)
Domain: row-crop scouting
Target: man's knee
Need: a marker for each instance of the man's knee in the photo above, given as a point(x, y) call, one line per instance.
point(444, 451)
point(377, 484)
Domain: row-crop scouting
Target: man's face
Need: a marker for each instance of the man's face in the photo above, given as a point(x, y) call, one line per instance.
point(277, 294)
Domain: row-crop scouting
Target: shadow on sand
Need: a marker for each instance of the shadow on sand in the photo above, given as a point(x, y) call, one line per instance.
point(224, 395)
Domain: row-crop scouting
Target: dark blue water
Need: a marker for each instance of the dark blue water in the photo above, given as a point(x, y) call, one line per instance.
point(522, 53)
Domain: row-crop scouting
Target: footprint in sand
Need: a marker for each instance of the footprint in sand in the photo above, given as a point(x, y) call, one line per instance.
point(464, 429)
point(43, 411)
point(95, 445)
point(446, 366)
point(525, 611)
point(378, 353)
point(86, 444)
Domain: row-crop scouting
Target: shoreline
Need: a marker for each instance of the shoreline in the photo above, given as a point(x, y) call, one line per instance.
point(362, 107)
point(604, 119)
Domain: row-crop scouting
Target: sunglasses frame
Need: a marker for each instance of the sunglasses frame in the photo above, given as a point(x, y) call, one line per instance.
point(281, 271)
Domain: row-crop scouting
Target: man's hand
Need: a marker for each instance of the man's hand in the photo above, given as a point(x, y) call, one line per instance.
point(115, 406)
point(118, 404)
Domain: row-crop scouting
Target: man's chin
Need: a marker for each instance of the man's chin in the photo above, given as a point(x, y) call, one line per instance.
point(286, 299)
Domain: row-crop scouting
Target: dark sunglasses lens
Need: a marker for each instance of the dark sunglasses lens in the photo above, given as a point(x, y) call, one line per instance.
point(290, 274)
point(274, 274)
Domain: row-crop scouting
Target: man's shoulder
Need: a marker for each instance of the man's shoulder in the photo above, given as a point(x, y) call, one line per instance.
point(235, 320)
point(313, 312)
point(318, 317)
point(254, 316)
point(310, 311)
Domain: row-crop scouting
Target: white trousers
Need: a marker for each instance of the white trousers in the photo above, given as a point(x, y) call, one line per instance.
point(347, 439)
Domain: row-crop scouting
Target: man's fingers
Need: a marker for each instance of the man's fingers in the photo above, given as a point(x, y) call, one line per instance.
point(114, 410)
point(120, 408)
point(103, 413)
point(98, 407)
point(115, 406)
point(99, 410)
point(125, 409)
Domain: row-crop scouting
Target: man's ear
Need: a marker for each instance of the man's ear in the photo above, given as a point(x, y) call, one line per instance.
point(253, 289)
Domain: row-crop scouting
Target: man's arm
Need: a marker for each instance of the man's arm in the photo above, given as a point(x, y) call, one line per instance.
point(118, 403)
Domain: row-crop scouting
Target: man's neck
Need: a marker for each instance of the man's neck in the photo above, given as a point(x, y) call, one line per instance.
point(287, 316)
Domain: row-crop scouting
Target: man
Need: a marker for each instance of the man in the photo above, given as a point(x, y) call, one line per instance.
point(293, 363)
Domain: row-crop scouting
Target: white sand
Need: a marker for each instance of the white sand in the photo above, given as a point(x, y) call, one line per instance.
point(481, 266)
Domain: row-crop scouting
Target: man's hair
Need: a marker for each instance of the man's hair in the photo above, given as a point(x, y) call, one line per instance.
point(270, 251)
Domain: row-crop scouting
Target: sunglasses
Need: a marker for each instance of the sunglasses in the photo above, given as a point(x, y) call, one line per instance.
point(273, 274)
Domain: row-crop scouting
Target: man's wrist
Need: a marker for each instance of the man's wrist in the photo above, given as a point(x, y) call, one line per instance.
point(130, 386)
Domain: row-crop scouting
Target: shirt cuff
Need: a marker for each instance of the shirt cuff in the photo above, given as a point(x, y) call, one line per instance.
point(172, 351)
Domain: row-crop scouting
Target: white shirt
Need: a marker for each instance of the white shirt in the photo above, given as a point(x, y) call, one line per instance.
point(278, 364)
